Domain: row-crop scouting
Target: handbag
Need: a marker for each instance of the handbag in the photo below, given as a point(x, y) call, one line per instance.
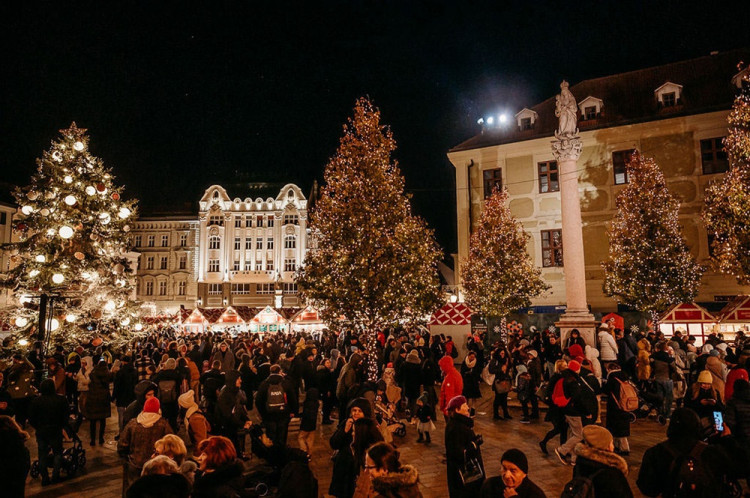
point(502, 386)
point(471, 471)
point(541, 391)
point(487, 376)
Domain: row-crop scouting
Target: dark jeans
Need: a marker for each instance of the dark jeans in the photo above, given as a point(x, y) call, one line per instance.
point(501, 400)
point(92, 429)
point(534, 407)
point(328, 403)
point(44, 445)
point(277, 430)
point(559, 427)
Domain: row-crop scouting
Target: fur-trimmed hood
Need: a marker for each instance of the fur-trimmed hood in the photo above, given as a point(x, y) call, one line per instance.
point(607, 458)
point(396, 483)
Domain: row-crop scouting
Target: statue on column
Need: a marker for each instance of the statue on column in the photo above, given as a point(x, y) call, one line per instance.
point(567, 110)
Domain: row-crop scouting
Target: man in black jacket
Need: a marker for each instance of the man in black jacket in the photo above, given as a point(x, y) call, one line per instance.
point(48, 415)
point(277, 404)
point(123, 391)
point(575, 411)
point(144, 390)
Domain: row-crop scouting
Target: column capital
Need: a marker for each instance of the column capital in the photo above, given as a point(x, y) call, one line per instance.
point(567, 147)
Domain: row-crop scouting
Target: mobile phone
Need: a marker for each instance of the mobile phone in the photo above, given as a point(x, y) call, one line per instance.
point(718, 421)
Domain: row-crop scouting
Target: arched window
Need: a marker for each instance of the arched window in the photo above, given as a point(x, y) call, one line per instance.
point(290, 194)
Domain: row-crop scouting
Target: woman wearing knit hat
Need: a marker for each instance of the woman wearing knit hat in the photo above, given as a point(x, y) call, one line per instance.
point(703, 398)
point(461, 447)
point(195, 421)
point(513, 479)
point(597, 461)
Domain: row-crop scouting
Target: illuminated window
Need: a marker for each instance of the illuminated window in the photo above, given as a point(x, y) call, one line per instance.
point(214, 242)
point(214, 289)
point(548, 179)
point(213, 265)
point(552, 248)
point(492, 178)
point(619, 162)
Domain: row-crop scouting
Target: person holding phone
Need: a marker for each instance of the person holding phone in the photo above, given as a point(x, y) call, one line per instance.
point(704, 399)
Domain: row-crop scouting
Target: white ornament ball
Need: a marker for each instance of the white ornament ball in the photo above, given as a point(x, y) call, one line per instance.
point(33, 195)
point(58, 278)
point(33, 273)
point(126, 228)
point(90, 190)
point(40, 258)
point(105, 218)
point(70, 318)
point(68, 179)
point(57, 156)
point(70, 200)
point(27, 210)
point(66, 232)
point(78, 146)
point(54, 324)
point(21, 321)
point(124, 212)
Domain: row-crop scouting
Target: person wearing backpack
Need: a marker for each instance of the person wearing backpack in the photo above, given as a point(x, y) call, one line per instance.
point(620, 405)
point(276, 401)
point(574, 409)
point(196, 424)
point(168, 380)
point(231, 413)
point(598, 470)
point(525, 392)
point(555, 413)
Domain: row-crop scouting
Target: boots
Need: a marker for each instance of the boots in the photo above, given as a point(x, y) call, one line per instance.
point(427, 439)
point(421, 437)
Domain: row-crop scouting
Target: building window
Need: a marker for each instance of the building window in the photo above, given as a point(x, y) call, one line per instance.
point(214, 242)
point(151, 241)
point(589, 112)
point(290, 264)
point(163, 263)
point(269, 265)
point(236, 266)
point(259, 222)
point(548, 180)
point(259, 243)
point(165, 240)
point(241, 288)
point(183, 240)
point(181, 287)
point(214, 289)
point(270, 222)
point(290, 288)
point(213, 265)
point(619, 162)
point(269, 243)
point(162, 288)
point(237, 243)
point(669, 99)
point(149, 288)
point(713, 156)
point(183, 261)
point(492, 178)
point(265, 289)
point(137, 241)
point(216, 220)
point(3, 218)
point(259, 265)
point(291, 219)
point(552, 249)
point(248, 222)
point(248, 244)
point(150, 263)
point(248, 265)
point(290, 242)
point(237, 222)
point(526, 124)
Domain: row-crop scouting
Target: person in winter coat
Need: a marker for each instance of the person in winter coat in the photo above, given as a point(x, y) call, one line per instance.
point(169, 382)
point(20, 379)
point(596, 460)
point(123, 390)
point(737, 418)
point(471, 375)
point(453, 384)
point(136, 443)
point(664, 370)
point(461, 446)
point(225, 357)
point(348, 377)
point(15, 461)
point(555, 414)
point(737, 372)
point(326, 383)
point(220, 472)
point(424, 415)
point(618, 420)
point(409, 375)
point(160, 478)
point(703, 398)
point(345, 467)
point(308, 420)
point(144, 390)
point(231, 415)
point(98, 401)
point(513, 479)
point(643, 361)
point(48, 415)
point(718, 372)
point(576, 410)
point(608, 349)
point(196, 423)
point(390, 479)
point(277, 404)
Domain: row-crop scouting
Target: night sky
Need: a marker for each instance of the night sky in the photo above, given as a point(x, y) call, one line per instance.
point(177, 98)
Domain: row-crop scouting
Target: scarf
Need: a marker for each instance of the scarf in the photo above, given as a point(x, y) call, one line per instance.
point(148, 419)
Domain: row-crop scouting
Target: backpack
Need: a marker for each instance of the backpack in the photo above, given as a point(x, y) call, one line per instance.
point(276, 402)
point(558, 395)
point(687, 475)
point(580, 487)
point(522, 387)
point(628, 399)
point(167, 391)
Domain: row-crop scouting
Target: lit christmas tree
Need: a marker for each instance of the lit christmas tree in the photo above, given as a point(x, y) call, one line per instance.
point(72, 235)
point(727, 210)
point(373, 261)
point(499, 276)
point(650, 266)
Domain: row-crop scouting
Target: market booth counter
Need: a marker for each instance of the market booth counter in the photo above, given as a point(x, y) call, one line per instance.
point(689, 318)
point(735, 317)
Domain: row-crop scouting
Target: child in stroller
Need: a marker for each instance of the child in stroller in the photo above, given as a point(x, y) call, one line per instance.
point(385, 411)
point(649, 402)
point(73, 458)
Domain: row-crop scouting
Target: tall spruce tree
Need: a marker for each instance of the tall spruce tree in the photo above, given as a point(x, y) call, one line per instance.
point(727, 209)
point(72, 240)
point(650, 266)
point(499, 276)
point(372, 261)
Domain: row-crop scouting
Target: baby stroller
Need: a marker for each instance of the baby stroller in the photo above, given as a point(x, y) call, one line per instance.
point(650, 400)
point(386, 417)
point(73, 460)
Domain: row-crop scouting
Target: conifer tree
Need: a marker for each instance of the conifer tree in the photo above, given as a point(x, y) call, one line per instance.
point(650, 266)
point(72, 239)
point(372, 260)
point(499, 276)
point(727, 209)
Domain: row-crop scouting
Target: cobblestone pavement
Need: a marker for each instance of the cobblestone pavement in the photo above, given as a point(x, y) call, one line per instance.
point(102, 477)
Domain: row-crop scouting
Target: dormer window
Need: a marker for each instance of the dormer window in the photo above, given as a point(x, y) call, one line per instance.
point(591, 108)
point(741, 78)
point(668, 95)
point(526, 119)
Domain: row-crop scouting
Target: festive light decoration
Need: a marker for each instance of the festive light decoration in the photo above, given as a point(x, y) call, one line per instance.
point(58, 278)
point(39, 258)
point(371, 260)
point(66, 232)
point(27, 210)
point(70, 200)
point(70, 318)
point(21, 322)
point(499, 276)
point(727, 208)
point(650, 266)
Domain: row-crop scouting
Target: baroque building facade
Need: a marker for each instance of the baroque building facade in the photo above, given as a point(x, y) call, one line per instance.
point(240, 252)
point(676, 113)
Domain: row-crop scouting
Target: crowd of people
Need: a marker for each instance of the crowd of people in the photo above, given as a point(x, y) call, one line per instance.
point(193, 408)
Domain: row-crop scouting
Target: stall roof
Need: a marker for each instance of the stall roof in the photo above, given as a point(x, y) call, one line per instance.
point(619, 320)
point(736, 311)
point(452, 314)
point(309, 314)
point(687, 313)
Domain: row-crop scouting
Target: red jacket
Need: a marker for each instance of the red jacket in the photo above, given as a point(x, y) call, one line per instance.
point(453, 384)
point(734, 374)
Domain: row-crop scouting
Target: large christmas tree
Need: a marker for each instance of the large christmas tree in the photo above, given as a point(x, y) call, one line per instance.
point(650, 266)
point(72, 239)
point(499, 276)
point(727, 210)
point(373, 261)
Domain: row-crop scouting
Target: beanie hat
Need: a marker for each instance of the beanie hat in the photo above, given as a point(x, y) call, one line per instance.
point(575, 350)
point(574, 366)
point(517, 458)
point(597, 436)
point(455, 403)
point(187, 399)
point(361, 403)
point(151, 405)
point(533, 353)
point(705, 377)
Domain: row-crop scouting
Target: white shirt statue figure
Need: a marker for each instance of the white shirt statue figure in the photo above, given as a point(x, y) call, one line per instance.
point(567, 110)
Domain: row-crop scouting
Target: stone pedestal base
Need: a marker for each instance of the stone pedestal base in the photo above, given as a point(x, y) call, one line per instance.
point(584, 322)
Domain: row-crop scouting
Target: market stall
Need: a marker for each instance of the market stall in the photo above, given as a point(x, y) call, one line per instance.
point(689, 318)
point(453, 319)
point(268, 320)
point(735, 317)
point(307, 320)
